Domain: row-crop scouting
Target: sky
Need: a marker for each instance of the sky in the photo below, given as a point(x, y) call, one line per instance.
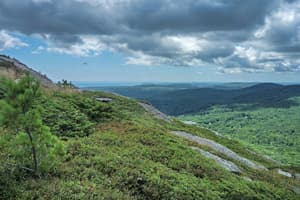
point(155, 40)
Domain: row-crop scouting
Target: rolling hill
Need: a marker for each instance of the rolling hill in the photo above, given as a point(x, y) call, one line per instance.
point(126, 149)
point(178, 100)
point(265, 116)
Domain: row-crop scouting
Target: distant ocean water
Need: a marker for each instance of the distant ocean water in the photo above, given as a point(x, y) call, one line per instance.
point(82, 84)
point(89, 84)
point(85, 84)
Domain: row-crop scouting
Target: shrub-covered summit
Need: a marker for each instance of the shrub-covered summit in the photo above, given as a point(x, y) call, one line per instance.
point(118, 150)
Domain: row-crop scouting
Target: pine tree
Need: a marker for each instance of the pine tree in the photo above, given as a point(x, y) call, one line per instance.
point(20, 113)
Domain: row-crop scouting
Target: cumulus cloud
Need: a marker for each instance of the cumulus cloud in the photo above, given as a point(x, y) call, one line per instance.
point(84, 46)
point(281, 31)
point(8, 41)
point(238, 36)
point(275, 46)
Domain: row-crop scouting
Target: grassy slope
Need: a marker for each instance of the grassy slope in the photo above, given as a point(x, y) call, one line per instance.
point(272, 131)
point(133, 156)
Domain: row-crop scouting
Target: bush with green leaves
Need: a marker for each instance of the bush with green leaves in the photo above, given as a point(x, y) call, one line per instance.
point(65, 84)
point(65, 119)
point(73, 115)
point(96, 111)
point(33, 147)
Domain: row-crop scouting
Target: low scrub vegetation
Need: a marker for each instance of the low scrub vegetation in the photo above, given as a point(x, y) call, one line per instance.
point(117, 150)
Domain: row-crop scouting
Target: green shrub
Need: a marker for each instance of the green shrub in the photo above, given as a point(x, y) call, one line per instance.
point(95, 111)
point(74, 114)
point(65, 119)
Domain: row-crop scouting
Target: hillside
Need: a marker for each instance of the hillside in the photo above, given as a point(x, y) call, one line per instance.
point(124, 149)
point(264, 116)
point(14, 69)
point(272, 131)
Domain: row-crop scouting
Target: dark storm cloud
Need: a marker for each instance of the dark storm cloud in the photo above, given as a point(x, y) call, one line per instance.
point(293, 48)
point(77, 17)
point(244, 35)
point(55, 17)
point(191, 15)
point(63, 38)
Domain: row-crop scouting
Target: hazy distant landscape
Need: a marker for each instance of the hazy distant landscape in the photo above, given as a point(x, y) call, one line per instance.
point(183, 98)
point(265, 116)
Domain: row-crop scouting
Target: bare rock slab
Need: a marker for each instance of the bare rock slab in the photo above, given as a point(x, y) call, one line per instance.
point(284, 173)
point(156, 113)
point(230, 166)
point(219, 148)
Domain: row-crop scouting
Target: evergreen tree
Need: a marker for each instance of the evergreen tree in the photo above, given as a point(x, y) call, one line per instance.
point(65, 84)
point(35, 146)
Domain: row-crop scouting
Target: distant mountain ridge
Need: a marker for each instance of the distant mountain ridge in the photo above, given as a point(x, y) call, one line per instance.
point(14, 69)
point(178, 100)
point(191, 101)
